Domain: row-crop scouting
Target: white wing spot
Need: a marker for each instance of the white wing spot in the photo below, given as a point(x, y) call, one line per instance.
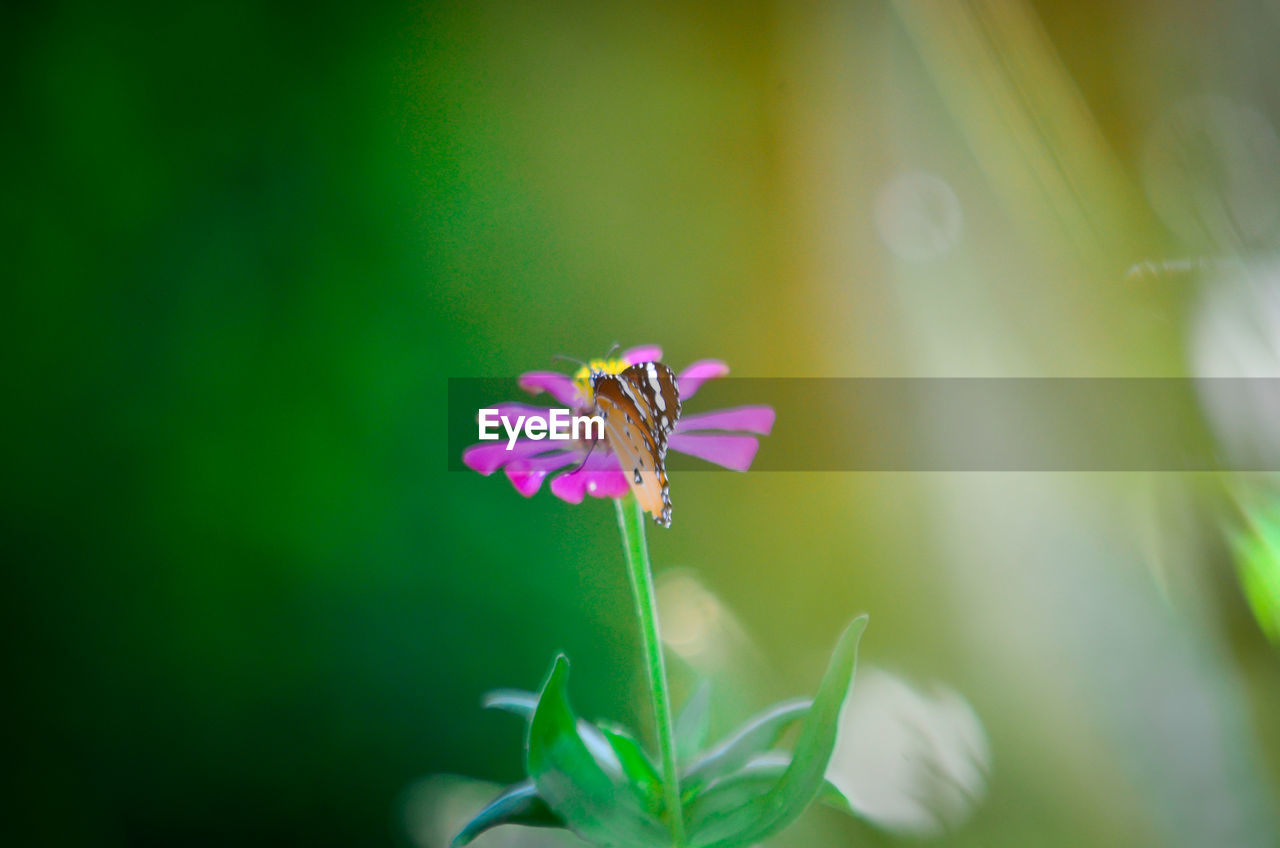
point(653, 382)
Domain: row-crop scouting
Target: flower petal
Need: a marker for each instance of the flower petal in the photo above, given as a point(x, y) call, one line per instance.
point(734, 452)
point(488, 457)
point(559, 386)
point(692, 378)
point(600, 476)
point(643, 353)
point(748, 419)
point(527, 474)
point(514, 409)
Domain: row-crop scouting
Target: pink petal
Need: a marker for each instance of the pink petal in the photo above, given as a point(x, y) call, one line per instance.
point(733, 452)
point(559, 386)
point(527, 474)
point(515, 409)
point(601, 476)
point(692, 378)
point(747, 419)
point(643, 353)
point(488, 457)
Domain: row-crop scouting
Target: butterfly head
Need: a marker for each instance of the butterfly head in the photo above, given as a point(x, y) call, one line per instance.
point(587, 375)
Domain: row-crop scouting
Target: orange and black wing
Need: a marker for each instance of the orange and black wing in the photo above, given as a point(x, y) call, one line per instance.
point(640, 408)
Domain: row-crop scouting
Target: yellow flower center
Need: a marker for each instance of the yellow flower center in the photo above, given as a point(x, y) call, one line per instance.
point(583, 378)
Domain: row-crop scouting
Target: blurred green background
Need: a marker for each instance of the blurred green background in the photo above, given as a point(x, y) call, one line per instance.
point(248, 244)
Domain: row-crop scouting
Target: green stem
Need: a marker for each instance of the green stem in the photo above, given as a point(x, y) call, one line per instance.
point(631, 522)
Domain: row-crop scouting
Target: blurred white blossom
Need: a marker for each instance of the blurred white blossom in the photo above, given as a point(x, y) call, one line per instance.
point(1235, 333)
point(910, 761)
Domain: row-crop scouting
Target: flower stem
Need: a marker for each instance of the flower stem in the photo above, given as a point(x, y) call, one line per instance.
point(631, 522)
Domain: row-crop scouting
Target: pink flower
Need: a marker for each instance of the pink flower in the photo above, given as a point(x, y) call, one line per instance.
point(721, 437)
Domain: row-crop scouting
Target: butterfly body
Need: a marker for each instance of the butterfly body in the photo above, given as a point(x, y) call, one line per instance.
point(640, 407)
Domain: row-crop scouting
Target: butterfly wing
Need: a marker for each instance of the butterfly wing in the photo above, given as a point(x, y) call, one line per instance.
point(640, 408)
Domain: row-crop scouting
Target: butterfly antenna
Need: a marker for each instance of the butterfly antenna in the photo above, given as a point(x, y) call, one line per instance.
point(563, 358)
point(612, 349)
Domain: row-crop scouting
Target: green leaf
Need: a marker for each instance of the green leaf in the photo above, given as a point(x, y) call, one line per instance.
point(516, 701)
point(1257, 554)
point(522, 703)
point(757, 735)
point(694, 723)
point(636, 765)
point(718, 825)
point(753, 780)
point(572, 781)
point(518, 804)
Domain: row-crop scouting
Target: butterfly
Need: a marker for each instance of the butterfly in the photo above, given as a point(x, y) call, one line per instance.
point(640, 407)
